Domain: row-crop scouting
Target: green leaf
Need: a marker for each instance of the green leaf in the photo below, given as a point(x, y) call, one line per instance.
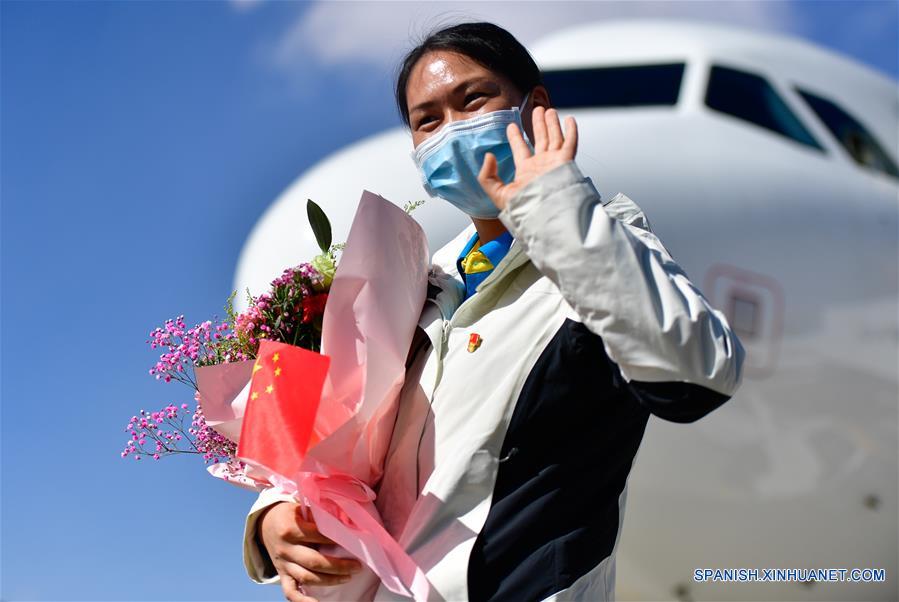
point(321, 227)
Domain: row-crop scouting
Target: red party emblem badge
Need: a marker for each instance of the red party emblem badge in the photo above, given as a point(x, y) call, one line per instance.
point(474, 341)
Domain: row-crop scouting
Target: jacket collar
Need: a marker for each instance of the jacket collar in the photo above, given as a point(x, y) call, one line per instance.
point(445, 285)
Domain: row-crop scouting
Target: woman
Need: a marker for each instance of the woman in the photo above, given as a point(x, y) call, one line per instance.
point(555, 325)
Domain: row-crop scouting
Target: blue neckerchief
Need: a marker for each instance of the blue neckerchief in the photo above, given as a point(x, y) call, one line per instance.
point(494, 250)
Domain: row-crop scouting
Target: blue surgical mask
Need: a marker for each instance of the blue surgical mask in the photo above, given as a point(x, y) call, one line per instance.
point(449, 162)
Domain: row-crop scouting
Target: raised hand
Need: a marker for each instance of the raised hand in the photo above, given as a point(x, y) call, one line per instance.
point(551, 149)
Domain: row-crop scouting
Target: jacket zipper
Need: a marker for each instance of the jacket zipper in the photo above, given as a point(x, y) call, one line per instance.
point(448, 324)
point(441, 357)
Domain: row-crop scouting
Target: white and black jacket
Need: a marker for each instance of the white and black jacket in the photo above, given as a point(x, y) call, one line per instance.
point(507, 473)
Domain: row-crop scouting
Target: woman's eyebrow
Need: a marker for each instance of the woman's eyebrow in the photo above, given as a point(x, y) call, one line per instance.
point(469, 82)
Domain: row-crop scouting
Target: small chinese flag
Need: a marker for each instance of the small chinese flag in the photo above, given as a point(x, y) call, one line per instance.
point(285, 393)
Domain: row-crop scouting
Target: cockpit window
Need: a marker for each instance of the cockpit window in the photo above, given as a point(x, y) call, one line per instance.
point(855, 138)
point(632, 86)
point(750, 97)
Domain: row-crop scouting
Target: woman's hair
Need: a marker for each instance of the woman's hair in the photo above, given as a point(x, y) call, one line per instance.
point(485, 43)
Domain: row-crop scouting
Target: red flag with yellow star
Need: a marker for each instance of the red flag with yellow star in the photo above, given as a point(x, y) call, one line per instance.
point(284, 396)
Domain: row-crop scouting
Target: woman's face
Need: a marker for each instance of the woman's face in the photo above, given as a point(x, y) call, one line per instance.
point(446, 86)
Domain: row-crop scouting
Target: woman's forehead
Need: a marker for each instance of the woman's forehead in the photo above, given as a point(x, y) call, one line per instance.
point(438, 69)
point(437, 61)
point(438, 73)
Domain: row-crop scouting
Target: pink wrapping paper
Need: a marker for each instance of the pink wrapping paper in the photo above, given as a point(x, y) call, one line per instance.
point(370, 317)
point(224, 393)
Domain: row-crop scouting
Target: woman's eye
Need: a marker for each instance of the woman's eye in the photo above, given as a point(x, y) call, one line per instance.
point(424, 121)
point(473, 96)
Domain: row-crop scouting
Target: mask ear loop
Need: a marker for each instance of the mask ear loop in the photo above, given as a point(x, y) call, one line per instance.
point(520, 123)
point(525, 101)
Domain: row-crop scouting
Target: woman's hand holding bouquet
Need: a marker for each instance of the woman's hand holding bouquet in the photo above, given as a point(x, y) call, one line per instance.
point(292, 542)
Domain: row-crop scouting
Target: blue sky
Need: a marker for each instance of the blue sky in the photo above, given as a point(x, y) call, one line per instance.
point(139, 143)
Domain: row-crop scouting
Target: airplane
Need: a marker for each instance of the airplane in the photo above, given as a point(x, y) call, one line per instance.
point(767, 165)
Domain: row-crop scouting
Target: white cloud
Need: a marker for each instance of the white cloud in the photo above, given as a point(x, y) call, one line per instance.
point(378, 33)
point(244, 6)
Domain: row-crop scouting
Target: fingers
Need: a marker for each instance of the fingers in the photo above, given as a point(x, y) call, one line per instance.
point(520, 149)
point(538, 120)
point(284, 522)
point(306, 566)
point(313, 560)
point(316, 561)
point(551, 124)
point(291, 590)
point(489, 177)
point(570, 144)
point(305, 532)
point(304, 576)
point(548, 132)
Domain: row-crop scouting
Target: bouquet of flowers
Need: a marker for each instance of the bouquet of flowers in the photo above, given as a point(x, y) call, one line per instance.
point(291, 312)
point(299, 392)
